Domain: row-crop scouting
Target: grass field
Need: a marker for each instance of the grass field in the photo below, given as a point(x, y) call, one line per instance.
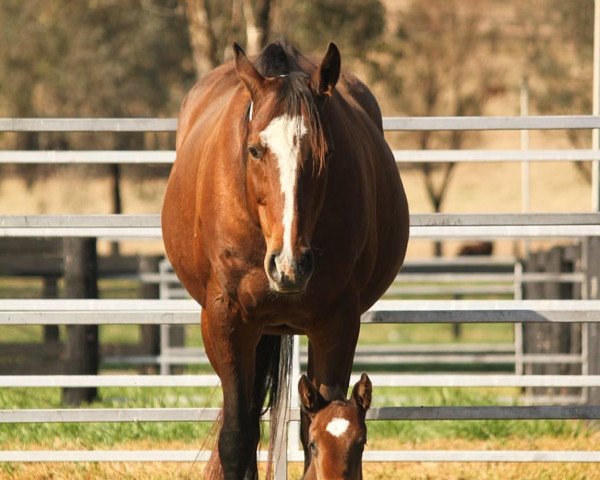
point(420, 435)
point(386, 435)
point(372, 471)
point(556, 187)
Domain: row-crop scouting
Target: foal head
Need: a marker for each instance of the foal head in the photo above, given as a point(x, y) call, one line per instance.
point(284, 148)
point(338, 432)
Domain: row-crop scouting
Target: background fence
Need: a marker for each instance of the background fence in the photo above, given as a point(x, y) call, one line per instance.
point(583, 226)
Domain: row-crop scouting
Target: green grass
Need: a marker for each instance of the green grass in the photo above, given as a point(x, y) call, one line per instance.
point(379, 334)
point(90, 435)
point(420, 431)
point(108, 434)
point(20, 287)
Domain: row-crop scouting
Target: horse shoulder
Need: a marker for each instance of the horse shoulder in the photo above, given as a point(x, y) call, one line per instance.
point(206, 92)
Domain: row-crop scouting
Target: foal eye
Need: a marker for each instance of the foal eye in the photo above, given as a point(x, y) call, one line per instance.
point(312, 447)
point(255, 152)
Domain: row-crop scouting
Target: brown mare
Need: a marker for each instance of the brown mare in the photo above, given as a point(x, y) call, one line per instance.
point(284, 214)
point(338, 432)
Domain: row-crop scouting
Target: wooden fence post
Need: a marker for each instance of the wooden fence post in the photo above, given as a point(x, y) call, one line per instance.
point(556, 337)
point(82, 352)
point(150, 334)
point(50, 290)
point(592, 268)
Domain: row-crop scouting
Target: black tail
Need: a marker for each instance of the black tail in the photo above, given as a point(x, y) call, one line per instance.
point(273, 368)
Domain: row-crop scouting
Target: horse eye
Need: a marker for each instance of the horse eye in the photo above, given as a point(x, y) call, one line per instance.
point(312, 447)
point(255, 152)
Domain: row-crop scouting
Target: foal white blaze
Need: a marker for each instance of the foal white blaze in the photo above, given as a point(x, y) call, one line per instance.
point(337, 427)
point(283, 136)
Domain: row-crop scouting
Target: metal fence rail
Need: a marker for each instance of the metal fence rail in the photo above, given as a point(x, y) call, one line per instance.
point(162, 157)
point(170, 312)
point(533, 122)
point(424, 226)
point(164, 414)
point(192, 456)
point(381, 380)
point(173, 312)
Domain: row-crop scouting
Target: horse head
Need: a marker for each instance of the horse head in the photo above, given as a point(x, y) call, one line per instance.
point(338, 432)
point(285, 148)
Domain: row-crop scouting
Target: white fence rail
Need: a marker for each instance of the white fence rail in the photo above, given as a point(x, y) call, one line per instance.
point(23, 312)
point(192, 456)
point(532, 122)
point(425, 226)
point(402, 156)
point(181, 312)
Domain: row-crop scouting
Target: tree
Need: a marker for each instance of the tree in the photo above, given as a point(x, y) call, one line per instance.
point(436, 65)
point(214, 25)
point(356, 26)
point(558, 57)
point(96, 59)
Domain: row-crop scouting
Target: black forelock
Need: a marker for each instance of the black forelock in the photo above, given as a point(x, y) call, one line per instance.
point(275, 60)
point(278, 59)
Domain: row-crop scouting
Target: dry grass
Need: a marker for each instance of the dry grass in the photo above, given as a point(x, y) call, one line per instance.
point(372, 471)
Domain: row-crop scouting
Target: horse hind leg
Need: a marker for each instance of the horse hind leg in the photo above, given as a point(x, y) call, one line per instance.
point(265, 379)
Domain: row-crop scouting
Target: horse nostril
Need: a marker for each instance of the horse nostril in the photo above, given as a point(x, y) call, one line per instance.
point(306, 262)
point(272, 265)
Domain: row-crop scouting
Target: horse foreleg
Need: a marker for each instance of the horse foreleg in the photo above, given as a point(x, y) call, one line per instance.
point(333, 339)
point(332, 342)
point(232, 350)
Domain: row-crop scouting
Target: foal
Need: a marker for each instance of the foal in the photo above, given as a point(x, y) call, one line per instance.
point(338, 432)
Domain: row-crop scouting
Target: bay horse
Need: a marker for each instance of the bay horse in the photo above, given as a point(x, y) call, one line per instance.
point(338, 431)
point(284, 214)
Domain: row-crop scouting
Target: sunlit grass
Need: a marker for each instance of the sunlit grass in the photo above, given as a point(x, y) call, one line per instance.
point(86, 435)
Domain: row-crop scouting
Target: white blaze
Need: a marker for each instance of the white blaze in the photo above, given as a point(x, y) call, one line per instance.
point(283, 136)
point(337, 426)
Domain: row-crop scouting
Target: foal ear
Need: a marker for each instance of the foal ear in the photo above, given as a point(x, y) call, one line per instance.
point(247, 73)
point(328, 73)
point(310, 398)
point(362, 392)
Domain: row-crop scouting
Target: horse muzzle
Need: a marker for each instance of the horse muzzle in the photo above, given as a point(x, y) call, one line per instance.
point(289, 274)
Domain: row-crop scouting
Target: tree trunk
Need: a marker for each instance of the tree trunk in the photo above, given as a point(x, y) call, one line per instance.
point(202, 36)
point(257, 15)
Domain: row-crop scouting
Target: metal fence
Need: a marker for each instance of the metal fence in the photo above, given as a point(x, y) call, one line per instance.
point(171, 312)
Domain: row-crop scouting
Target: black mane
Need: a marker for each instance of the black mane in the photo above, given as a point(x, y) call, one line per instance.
point(276, 59)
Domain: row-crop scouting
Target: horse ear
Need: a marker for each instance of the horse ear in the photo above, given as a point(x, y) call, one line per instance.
point(362, 392)
point(247, 73)
point(310, 398)
point(328, 73)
